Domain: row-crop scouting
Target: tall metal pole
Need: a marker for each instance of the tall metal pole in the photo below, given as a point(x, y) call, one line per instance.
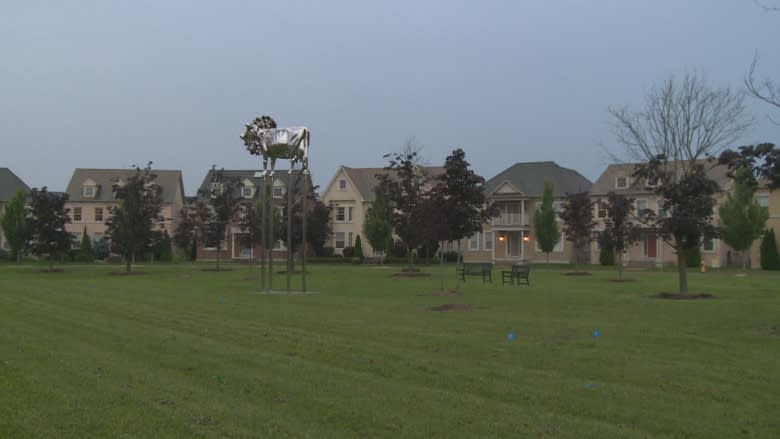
point(270, 232)
point(305, 172)
point(263, 225)
point(289, 225)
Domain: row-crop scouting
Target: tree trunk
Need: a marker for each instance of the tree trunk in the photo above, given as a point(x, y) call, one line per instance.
point(18, 258)
point(620, 265)
point(682, 271)
point(441, 266)
point(128, 263)
point(548, 257)
point(218, 252)
point(457, 278)
point(744, 259)
point(409, 256)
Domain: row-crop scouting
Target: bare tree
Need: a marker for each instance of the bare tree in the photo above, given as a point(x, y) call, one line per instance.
point(764, 89)
point(682, 123)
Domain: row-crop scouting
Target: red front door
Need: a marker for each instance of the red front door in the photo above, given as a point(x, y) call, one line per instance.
point(651, 246)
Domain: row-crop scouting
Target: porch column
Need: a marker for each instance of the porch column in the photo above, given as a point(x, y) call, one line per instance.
point(493, 248)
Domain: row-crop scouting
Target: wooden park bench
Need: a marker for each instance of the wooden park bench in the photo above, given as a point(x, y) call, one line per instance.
point(484, 269)
point(518, 272)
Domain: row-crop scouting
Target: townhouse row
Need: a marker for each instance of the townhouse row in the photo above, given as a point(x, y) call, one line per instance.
point(507, 238)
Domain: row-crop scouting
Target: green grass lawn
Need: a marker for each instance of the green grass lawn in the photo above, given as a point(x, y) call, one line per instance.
point(180, 352)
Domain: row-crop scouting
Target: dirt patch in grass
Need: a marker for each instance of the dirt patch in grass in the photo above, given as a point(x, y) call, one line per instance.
point(124, 273)
point(51, 270)
point(411, 274)
point(214, 270)
point(578, 273)
point(453, 307)
point(440, 293)
point(687, 296)
point(772, 331)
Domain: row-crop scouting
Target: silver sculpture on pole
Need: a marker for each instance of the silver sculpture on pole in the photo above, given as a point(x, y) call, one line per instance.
point(263, 138)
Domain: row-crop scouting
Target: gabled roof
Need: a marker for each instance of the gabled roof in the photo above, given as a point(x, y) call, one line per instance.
point(169, 181)
point(529, 178)
point(241, 175)
point(365, 179)
point(9, 184)
point(606, 181)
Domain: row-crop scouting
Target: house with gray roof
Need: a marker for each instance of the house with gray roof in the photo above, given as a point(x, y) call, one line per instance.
point(650, 250)
point(91, 198)
point(517, 193)
point(349, 194)
point(250, 191)
point(9, 185)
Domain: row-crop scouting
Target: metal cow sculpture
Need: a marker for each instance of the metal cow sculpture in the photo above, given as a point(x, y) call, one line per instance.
point(261, 137)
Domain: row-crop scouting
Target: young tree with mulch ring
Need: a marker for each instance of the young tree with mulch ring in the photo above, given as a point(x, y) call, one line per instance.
point(578, 223)
point(48, 217)
point(15, 225)
point(545, 224)
point(132, 225)
point(742, 220)
point(223, 199)
point(619, 233)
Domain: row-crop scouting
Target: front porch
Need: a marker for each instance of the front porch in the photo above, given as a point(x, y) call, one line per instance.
point(510, 246)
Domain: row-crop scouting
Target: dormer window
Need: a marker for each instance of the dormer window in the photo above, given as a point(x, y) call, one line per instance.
point(342, 184)
point(246, 191)
point(621, 182)
point(89, 191)
point(651, 182)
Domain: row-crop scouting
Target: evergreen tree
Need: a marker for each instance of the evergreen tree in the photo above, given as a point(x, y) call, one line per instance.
point(85, 253)
point(545, 225)
point(359, 248)
point(15, 225)
point(742, 219)
point(770, 259)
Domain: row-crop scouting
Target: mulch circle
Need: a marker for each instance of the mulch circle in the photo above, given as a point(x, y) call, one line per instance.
point(687, 296)
point(441, 293)
point(215, 270)
point(52, 270)
point(411, 274)
point(453, 307)
point(410, 270)
point(578, 273)
point(124, 273)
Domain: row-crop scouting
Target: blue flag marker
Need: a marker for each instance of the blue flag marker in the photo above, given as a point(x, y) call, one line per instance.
point(597, 333)
point(590, 385)
point(221, 301)
point(511, 336)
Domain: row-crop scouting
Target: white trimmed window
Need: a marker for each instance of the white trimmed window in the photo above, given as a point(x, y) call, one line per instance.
point(349, 214)
point(641, 207)
point(621, 182)
point(763, 200)
point(601, 209)
point(474, 242)
point(98, 214)
point(278, 192)
point(349, 239)
point(76, 214)
point(339, 238)
point(488, 241)
point(708, 245)
point(89, 191)
point(340, 214)
point(342, 184)
point(246, 191)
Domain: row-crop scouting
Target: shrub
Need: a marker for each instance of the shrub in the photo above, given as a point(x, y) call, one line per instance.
point(451, 256)
point(326, 251)
point(100, 248)
point(348, 252)
point(770, 260)
point(4, 255)
point(606, 256)
point(398, 249)
point(357, 261)
point(693, 258)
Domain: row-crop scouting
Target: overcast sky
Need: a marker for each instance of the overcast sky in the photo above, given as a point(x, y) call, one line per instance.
point(110, 84)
